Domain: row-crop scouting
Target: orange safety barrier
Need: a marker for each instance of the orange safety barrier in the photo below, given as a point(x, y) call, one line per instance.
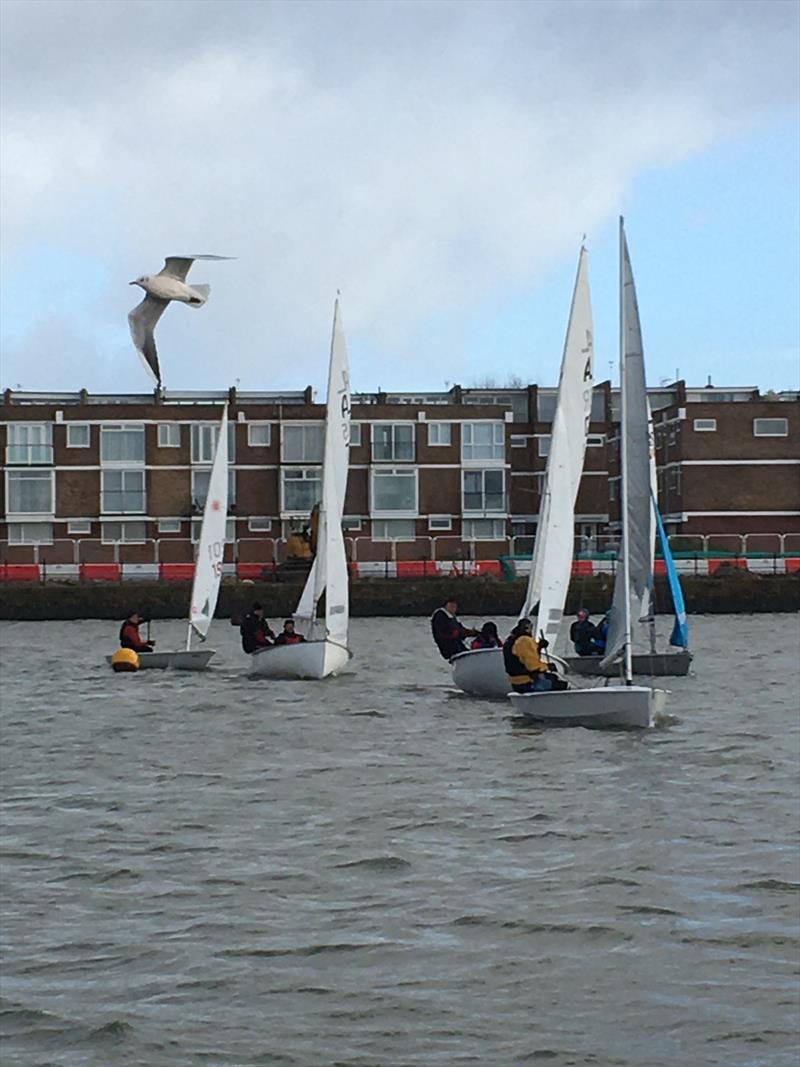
point(715, 564)
point(176, 572)
point(582, 568)
point(659, 567)
point(100, 572)
point(254, 571)
point(20, 572)
point(792, 566)
point(416, 568)
point(488, 566)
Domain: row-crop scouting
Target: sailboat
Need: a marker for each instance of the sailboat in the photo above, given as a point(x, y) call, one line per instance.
point(482, 671)
point(207, 570)
point(625, 705)
point(325, 650)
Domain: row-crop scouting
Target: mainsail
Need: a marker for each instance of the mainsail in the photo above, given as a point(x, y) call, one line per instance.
point(211, 550)
point(329, 569)
point(634, 574)
point(555, 532)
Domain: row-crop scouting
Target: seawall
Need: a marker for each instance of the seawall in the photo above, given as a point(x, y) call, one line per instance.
point(727, 592)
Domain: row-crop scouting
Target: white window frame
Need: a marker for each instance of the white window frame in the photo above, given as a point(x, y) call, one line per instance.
point(380, 534)
point(519, 440)
point(71, 427)
point(15, 449)
point(440, 522)
point(305, 460)
point(14, 540)
point(388, 472)
point(497, 524)
point(355, 434)
point(79, 526)
point(165, 433)
point(769, 418)
point(197, 429)
point(13, 475)
point(123, 525)
point(595, 440)
point(438, 427)
point(543, 444)
point(259, 524)
point(122, 471)
point(206, 472)
point(498, 445)
point(259, 426)
point(394, 426)
point(704, 425)
point(122, 428)
point(169, 526)
point(304, 512)
point(230, 530)
point(352, 523)
point(481, 472)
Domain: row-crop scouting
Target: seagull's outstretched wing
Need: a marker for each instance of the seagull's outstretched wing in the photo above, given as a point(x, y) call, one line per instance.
point(142, 321)
point(178, 266)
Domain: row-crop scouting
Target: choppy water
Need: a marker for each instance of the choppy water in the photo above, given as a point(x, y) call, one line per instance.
point(372, 871)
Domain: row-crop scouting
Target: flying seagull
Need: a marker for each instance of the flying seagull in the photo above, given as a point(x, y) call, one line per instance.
point(159, 289)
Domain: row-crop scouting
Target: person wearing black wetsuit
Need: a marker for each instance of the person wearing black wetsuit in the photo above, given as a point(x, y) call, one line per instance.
point(448, 633)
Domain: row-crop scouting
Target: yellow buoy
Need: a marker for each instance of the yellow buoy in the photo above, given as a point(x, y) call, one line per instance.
point(125, 659)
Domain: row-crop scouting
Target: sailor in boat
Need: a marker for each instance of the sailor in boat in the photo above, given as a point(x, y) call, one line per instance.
point(448, 633)
point(129, 636)
point(288, 636)
point(255, 630)
point(487, 638)
point(585, 635)
point(526, 670)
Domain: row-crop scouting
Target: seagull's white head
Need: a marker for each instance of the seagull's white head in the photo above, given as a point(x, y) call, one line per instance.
point(141, 281)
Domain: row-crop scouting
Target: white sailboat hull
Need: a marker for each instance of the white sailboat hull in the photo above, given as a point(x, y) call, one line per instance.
point(625, 706)
point(313, 659)
point(481, 672)
point(193, 660)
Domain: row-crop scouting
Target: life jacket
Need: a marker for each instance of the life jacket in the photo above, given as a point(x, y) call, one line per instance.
point(129, 637)
point(513, 664)
point(484, 642)
point(289, 639)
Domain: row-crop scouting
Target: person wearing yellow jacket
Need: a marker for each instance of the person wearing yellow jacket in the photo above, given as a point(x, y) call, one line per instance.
point(526, 669)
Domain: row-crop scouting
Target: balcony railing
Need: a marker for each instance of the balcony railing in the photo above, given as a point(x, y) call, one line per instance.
point(29, 455)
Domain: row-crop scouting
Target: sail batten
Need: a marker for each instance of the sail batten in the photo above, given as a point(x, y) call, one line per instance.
point(551, 566)
point(211, 549)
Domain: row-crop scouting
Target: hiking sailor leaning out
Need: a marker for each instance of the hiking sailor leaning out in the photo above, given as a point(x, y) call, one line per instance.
point(526, 670)
point(448, 633)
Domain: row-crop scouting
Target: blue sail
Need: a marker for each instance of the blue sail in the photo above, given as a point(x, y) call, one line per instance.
point(680, 631)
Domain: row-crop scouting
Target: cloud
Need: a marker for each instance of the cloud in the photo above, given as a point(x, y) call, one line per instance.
point(420, 156)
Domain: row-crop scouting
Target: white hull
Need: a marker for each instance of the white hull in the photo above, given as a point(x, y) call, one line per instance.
point(629, 706)
point(194, 660)
point(313, 659)
point(481, 672)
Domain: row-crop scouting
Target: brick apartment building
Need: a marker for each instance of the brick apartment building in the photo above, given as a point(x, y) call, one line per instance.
point(450, 475)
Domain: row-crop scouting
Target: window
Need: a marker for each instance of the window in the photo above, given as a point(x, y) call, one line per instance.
point(122, 444)
point(79, 526)
point(518, 440)
point(352, 523)
point(78, 435)
point(169, 435)
point(544, 445)
point(613, 484)
point(129, 533)
point(29, 443)
point(598, 413)
point(29, 492)
point(259, 434)
point(30, 533)
point(483, 440)
point(200, 480)
point(301, 489)
point(393, 529)
point(771, 427)
point(122, 492)
point(439, 433)
point(169, 526)
point(355, 434)
point(523, 529)
point(259, 524)
point(392, 441)
point(440, 522)
point(595, 440)
point(484, 530)
point(204, 441)
point(230, 531)
point(546, 406)
point(704, 425)
point(303, 443)
point(484, 491)
point(394, 490)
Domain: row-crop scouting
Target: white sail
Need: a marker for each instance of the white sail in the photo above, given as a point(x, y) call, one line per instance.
point(555, 532)
point(329, 569)
point(631, 598)
point(211, 550)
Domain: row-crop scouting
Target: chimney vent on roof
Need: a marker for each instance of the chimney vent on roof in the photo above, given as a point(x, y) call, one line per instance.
point(709, 383)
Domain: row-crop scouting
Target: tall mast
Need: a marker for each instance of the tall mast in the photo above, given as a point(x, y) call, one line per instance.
point(623, 454)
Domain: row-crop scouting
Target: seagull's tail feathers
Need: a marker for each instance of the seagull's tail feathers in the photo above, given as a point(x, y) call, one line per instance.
point(203, 292)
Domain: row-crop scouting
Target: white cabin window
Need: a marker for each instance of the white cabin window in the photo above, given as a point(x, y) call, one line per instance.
point(394, 490)
point(259, 434)
point(483, 441)
point(79, 526)
point(78, 435)
point(393, 529)
point(440, 433)
point(30, 533)
point(704, 425)
point(29, 443)
point(121, 444)
point(301, 489)
point(169, 435)
point(392, 441)
point(484, 530)
point(771, 427)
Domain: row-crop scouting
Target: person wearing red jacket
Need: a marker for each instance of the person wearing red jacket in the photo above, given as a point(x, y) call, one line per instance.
point(129, 636)
point(288, 635)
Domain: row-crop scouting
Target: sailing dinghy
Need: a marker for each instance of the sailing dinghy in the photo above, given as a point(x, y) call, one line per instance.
point(325, 650)
point(625, 705)
point(482, 671)
point(207, 570)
